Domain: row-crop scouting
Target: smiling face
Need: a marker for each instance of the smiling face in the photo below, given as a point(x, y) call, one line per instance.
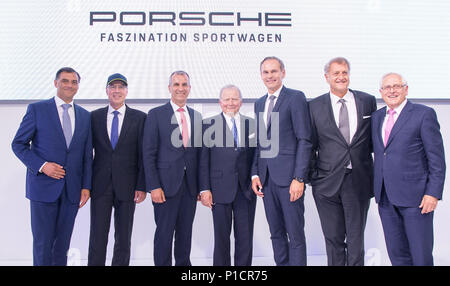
point(230, 101)
point(117, 91)
point(66, 86)
point(179, 88)
point(272, 75)
point(393, 90)
point(338, 77)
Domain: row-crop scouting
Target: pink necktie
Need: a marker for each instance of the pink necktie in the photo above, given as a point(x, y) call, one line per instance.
point(389, 125)
point(184, 127)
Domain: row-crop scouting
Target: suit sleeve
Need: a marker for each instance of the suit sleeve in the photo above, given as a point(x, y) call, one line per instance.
point(302, 129)
point(314, 144)
point(434, 150)
point(373, 109)
point(204, 178)
point(21, 144)
point(254, 168)
point(88, 158)
point(150, 151)
point(140, 184)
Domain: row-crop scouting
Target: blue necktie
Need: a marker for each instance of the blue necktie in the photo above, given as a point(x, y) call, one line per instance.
point(115, 129)
point(66, 124)
point(235, 133)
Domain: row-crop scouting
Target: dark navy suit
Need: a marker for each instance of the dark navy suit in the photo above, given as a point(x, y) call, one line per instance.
point(276, 173)
point(410, 166)
point(117, 174)
point(225, 170)
point(173, 168)
point(54, 203)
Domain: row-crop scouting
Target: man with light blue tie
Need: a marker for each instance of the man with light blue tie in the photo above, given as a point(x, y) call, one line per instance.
point(409, 172)
point(118, 179)
point(54, 142)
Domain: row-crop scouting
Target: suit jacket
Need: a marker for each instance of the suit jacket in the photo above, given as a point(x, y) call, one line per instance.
point(413, 162)
point(331, 153)
point(164, 162)
point(122, 167)
point(294, 130)
point(225, 168)
point(40, 139)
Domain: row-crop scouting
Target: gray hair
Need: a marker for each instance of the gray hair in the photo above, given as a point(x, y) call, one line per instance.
point(180, 72)
point(404, 82)
point(230, 86)
point(272, 58)
point(339, 60)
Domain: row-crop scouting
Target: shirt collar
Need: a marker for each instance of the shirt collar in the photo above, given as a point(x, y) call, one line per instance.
point(176, 107)
point(398, 109)
point(121, 109)
point(237, 116)
point(276, 93)
point(347, 97)
point(60, 102)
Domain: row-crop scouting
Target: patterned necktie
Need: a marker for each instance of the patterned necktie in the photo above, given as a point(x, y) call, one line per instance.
point(269, 110)
point(344, 125)
point(184, 127)
point(66, 124)
point(235, 132)
point(389, 125)
point(115, 129)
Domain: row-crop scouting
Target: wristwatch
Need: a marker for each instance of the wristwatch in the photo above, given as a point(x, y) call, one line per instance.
point(301, 180)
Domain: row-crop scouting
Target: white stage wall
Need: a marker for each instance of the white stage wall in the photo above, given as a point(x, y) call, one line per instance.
point(16, 238)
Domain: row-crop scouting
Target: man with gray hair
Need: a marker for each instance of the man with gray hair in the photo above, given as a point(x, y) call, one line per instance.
point(225, 164)
point(341, 164)
point(409, 172)
point(171, 145)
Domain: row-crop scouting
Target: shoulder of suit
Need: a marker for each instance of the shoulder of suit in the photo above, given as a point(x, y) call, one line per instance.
point(319, 99)
point(362, 94)
point(291, 91)
point(211, 119)
point(136, 112)
point(81, 109)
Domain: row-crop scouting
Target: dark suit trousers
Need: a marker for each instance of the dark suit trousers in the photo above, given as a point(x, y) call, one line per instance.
point(52, 225)
point(343, 218)
point(242, 212)
point(174, 216)
point(408, 233)
point(286, 223)
point(101, 209)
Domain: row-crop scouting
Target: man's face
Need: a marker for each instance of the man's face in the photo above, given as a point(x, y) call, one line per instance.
point(393, 91)
point(272, 75)
point(117, 91)
point(179, 89)
point(230, 101)
point(66, 86)
point(338, 78)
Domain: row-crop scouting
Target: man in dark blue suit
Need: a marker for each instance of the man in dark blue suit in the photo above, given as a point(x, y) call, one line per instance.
point(55, 144)
point(171, 146)
point(278, 174)
point(225, 164)
point(118, 174)
point(409, 172)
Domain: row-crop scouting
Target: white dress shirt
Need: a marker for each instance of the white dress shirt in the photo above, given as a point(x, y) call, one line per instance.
point(178, 116)
point(110, 117)
point(237, 119)
point(396, 115)
point(352, 113)
point(59, 102)
point(266, 106)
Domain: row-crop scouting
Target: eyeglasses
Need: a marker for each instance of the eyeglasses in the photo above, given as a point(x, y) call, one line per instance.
point(396, 87)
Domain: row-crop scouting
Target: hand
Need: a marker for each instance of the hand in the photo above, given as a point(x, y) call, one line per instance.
point(85, 195)
point(296, 190)
point(257, 187)
point(158, 196)
point(206, 198)
point(428, 204)
point(53, 170)
point(139, 196)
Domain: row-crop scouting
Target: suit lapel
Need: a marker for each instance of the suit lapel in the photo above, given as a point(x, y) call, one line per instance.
point(401, 120)
point(128, 118)
point(279, 102)
point(54, 117)
point(78, 124)
point(379, 124)
point(359, 115)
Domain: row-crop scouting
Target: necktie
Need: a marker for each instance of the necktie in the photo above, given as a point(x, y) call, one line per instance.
point(389, 125)
point(344, 125)
point(66, 124)
point(235, 132)
point(184, 127)
point(269, 110)
point(115, 129)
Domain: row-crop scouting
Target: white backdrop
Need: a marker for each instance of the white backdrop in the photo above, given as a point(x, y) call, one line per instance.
point(16, 238)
